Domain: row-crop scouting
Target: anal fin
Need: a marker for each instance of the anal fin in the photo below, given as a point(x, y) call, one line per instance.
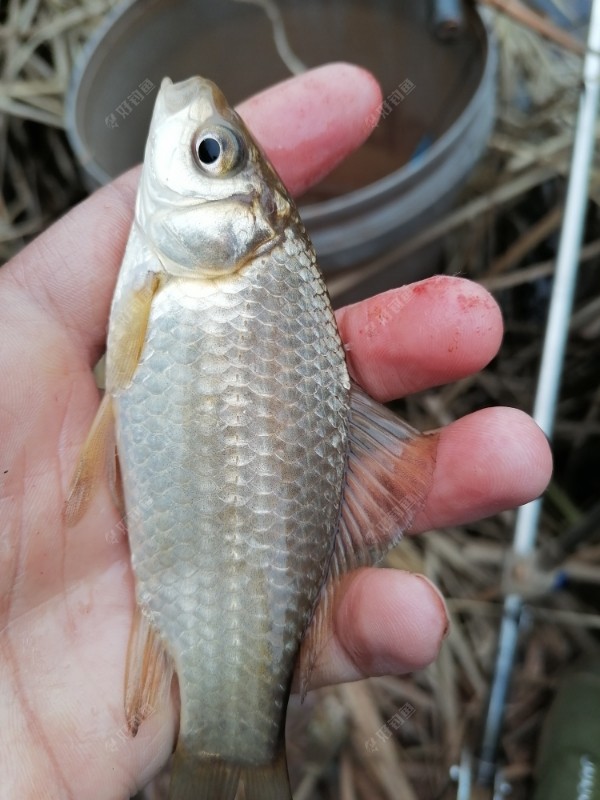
point(148, 674)
point(389, 475)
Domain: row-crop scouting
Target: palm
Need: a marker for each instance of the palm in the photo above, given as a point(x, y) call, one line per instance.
point(66, 594)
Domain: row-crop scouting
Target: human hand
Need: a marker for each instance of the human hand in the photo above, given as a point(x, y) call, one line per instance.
point(66, 595)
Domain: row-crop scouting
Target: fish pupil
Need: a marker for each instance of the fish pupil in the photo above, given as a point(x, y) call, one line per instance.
point(209, 150)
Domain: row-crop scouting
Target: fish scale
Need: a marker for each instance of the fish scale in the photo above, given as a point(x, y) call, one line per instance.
point(251, 535)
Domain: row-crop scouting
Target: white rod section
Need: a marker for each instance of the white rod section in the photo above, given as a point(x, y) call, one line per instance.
point(544, 412)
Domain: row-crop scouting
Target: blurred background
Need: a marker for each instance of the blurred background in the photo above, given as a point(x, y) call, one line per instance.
point(465, 174)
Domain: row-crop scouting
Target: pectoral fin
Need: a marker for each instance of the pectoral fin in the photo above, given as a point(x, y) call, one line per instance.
point(98, 457)
point(128, 327)
point(148, 673)
point(388, 477)
point(92, 464)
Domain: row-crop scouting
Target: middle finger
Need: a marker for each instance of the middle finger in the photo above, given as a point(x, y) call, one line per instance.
point(420, 335)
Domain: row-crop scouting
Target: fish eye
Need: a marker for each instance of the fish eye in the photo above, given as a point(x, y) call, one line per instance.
point(218, 150)
point(209, 150)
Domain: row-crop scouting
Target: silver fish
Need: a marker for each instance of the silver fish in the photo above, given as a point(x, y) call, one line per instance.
point(254, 473)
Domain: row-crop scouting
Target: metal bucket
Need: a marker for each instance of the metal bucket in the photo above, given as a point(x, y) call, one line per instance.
point(436, 118)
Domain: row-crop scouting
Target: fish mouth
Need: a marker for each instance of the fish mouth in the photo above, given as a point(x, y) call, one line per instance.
point(195, 91)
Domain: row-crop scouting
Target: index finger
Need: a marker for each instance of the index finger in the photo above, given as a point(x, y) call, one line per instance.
point(306, 125)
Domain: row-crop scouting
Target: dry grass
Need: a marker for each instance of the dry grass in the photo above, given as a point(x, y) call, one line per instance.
point(39, 43)
point(346, 741)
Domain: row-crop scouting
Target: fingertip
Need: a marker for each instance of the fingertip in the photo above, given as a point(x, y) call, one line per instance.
point(532, 454)
point(491, 460)
point(390, 622)
point(420, 335)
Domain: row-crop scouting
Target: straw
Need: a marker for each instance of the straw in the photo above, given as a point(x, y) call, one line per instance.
point(41, 39)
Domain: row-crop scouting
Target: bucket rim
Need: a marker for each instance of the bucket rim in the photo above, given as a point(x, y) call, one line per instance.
point(366, 195)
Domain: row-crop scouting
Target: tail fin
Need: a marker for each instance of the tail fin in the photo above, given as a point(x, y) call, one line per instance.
point(215, 779)
point(270, 782)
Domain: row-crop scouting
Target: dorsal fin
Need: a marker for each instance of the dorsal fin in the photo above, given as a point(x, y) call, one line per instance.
point(388, 477)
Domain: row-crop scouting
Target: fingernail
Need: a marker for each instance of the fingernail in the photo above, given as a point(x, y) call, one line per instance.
point(441, 601)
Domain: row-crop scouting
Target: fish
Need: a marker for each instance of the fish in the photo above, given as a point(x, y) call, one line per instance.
point(252, 472)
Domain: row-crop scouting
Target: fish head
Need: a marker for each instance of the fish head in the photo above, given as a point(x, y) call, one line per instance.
point(209, 201)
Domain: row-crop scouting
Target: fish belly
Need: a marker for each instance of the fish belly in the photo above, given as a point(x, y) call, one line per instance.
point(232, 440)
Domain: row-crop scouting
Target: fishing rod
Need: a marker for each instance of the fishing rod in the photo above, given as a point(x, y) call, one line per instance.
point(473, 774)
